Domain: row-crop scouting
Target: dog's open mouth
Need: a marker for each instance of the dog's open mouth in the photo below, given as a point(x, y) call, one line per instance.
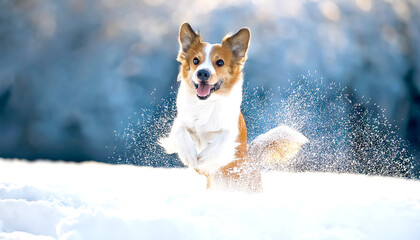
point(204, 90)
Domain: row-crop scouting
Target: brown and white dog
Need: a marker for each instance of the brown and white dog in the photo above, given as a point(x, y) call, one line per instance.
point(209, 133)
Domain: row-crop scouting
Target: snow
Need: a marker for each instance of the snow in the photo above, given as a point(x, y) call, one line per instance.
point(45, 200)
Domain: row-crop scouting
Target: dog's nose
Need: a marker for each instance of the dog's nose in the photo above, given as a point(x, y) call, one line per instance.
point(203, 75)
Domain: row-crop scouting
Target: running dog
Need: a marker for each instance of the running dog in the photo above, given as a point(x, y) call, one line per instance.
point(209, 132)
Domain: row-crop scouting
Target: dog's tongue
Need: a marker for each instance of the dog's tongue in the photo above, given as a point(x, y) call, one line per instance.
point(203, 89)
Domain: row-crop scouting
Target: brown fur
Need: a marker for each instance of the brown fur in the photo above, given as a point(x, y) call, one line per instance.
point(192, 47)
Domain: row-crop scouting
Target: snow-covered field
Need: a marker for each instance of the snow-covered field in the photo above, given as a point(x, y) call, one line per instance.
point(46, 200)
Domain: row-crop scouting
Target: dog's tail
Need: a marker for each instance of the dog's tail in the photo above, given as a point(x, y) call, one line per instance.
point(277, 145)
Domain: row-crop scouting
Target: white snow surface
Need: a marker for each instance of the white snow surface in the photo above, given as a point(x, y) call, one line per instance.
point(45, 200)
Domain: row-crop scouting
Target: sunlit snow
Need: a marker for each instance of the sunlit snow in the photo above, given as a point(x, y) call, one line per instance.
point(46, 200)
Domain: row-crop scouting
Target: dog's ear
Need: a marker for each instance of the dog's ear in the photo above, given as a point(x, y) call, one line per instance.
point(238, 44)
point(187, 37)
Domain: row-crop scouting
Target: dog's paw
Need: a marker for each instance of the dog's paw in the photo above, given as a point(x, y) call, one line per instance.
point(205, 158)
point(188, 157)
point(211, 162)
point(168, 144)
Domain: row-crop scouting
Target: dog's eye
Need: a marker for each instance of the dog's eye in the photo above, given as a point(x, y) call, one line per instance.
point(220, 63)
point(196, 61)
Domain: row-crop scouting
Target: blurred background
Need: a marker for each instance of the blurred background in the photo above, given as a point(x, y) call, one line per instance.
point(75, 73)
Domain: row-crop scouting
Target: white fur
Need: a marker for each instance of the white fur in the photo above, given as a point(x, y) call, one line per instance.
point(207, 64)
point(205, 131)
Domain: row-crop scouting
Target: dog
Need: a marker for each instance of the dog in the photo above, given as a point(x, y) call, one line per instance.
point(209, 132)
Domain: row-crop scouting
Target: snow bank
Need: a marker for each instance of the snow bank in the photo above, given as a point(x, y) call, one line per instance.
point(45, 201)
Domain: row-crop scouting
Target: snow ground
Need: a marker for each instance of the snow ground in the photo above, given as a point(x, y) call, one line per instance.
point(48, 200)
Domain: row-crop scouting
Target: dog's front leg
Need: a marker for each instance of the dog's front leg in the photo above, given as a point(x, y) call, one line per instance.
point(219, 152)
point(186, 149)
point(179, 141)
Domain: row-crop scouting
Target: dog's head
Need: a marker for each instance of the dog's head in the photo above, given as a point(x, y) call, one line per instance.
point(211, 68)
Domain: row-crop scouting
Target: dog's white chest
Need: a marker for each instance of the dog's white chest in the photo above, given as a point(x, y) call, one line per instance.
point(205, 120)
point(209, 120)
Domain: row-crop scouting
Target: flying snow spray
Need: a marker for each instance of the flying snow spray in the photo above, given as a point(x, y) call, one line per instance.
point(345, 136)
